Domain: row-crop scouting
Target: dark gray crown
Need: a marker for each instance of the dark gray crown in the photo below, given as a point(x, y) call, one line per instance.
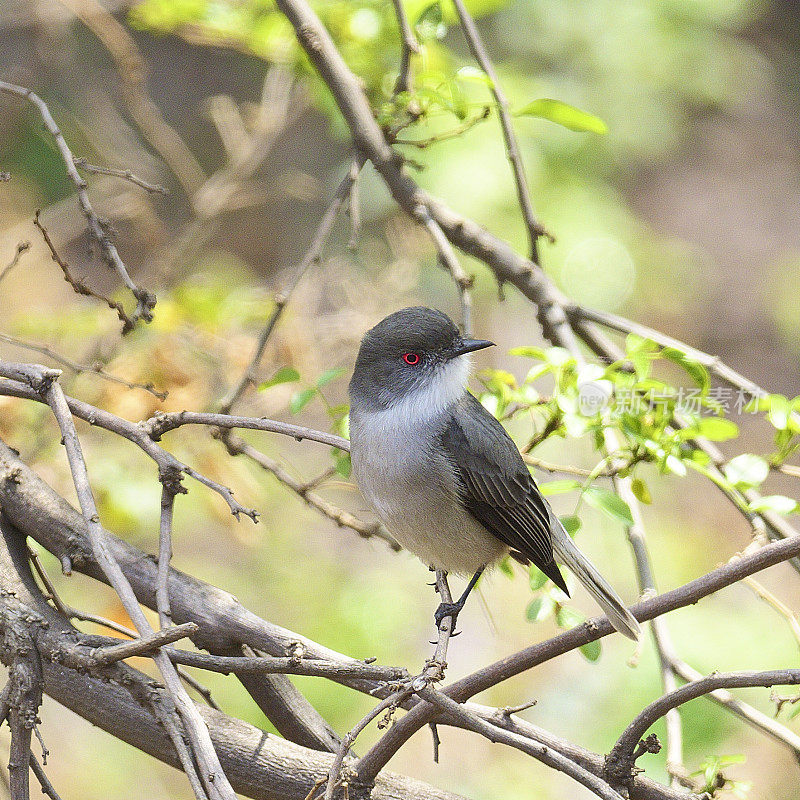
point(415, 329)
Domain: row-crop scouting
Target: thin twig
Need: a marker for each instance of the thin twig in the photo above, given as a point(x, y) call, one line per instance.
point(408, 44)
point(286, 665)
point(539, 751)
point(768, 597)
point(620, 760)
point(450, 261)
point(311, 257)
point(145, 300)
point(145, 645)
point(44, 781)
point(81, 369)
point(125, 174)
point(367, 530)
point(476, 46)
point(128, 430)
point(335, 772)
point(22, 247)
point(170, 487)
point(78, 286)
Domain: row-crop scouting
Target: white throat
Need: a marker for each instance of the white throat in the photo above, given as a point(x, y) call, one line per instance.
point(445, 388)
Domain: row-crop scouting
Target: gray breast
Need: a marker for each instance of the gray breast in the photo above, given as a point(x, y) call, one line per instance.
point(411, 485)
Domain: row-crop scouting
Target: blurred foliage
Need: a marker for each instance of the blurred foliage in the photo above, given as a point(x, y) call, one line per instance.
point(645, 71)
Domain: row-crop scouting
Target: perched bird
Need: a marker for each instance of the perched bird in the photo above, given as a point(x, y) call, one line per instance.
point(442, 473)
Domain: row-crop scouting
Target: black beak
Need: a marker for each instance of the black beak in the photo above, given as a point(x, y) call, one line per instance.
point(469, 346)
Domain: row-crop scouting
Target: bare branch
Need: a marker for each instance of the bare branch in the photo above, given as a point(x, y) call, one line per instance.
point(286, 665)
point(128, 430)
point(22, 247)
point(408, 44)
point(539, 751)
point(312, 256)
point(620, 760)
point(125, 174)
point(476, 46)
point(86, 369)
point(142, 646)
point(491, 675)
point(342, 518)
point(215, 783)
point(145, 300)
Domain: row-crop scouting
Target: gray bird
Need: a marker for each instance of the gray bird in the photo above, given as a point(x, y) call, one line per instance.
point(442, 473)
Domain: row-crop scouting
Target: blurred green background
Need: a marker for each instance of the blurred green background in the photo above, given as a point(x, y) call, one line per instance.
point(684, 216)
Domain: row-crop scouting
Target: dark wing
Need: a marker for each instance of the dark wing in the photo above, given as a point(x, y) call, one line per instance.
point(497, 488)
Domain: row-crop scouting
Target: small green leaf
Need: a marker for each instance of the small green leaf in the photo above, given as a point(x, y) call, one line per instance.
point(537, 578)
point(558, 487)
point(609, 502)
point(779, 410)
point(696, 371)
point(300, 399)
point(505, 567)
point(341, 460)
point(675, 465)
point(746, 471)
point(774, 502)
point(563, 114)
point(591, 650)
point(717, 429)
point(571, 523)
point(540, 608)
point(474, 74)
point(567, 617)
point(641, 491)
point(283, 375)
point(328, 376)
point(528, 352)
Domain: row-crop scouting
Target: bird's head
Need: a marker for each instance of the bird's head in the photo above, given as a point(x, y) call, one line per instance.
point(415, 353)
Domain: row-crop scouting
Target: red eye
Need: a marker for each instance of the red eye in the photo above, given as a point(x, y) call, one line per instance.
point(411, 358)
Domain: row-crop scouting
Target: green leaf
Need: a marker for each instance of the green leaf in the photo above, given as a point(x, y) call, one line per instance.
point(563, 114)
point(283, 375)
point(571, 523)
point(746, 471)
point(429, 24)
point(696, 371)
point(558, 487)
point(774, 502)
point(537, 578)
point(474, 74)
point(328, 376)
point(540, 608)
point(341, 460)
point(779, 410)
point(505, 567)
point(675, 465)
point(528, 352)
point(591, 650)
point(641, 491)
point(717, 429)
point(610, 503)
point(300, 399)
point(567, 617)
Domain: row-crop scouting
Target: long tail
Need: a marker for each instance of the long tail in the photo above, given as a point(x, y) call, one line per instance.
point(568, 554)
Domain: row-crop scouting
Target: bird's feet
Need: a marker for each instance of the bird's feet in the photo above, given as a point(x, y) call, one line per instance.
point(451, 610)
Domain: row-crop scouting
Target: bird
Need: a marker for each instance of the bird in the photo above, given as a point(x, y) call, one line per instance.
point(442, 473)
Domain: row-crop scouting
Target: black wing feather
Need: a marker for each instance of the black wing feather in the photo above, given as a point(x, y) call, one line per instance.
point(497, 488)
